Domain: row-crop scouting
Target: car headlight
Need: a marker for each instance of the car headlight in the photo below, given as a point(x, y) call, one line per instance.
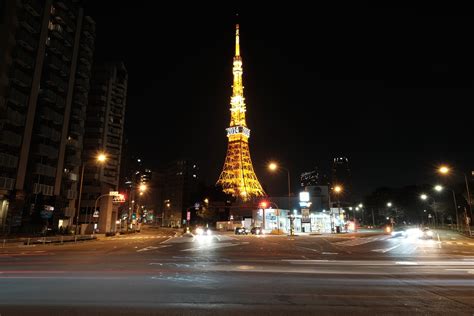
point(208, 232)
point(429, 233)
point(199, 231)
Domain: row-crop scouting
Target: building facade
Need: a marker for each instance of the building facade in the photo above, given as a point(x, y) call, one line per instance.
point(104, 134)
point(179, 185)
point(46, 51)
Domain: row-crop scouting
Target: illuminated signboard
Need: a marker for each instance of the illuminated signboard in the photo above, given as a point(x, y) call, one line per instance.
point(238, 130)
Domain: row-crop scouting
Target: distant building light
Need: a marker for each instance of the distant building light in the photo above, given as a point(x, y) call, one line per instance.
point(304, 196)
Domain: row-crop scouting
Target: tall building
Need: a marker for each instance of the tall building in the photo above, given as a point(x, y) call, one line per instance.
point(238, 177)
point(341, 175)
point(46, 50)
point(104, 133)
point(179, 183)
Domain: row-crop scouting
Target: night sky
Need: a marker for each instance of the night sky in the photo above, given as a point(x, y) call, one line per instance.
point(390, 88)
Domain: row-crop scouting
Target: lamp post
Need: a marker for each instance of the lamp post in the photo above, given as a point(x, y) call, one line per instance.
point(445, 170)
point(273, 166)
point(439, 188)
point(101, 158)
point(337, 190)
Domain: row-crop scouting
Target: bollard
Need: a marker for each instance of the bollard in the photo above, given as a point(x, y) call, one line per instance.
point(4, 243)
point(28, 242)
point(75, 238)
point(44, 240)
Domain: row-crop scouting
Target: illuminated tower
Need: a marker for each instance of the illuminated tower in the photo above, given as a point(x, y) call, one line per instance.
point(237, 177)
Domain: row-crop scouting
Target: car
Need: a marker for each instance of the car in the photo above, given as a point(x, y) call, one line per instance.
point(256, 231)
point(241, 231)
point(426, 233)
point(201, 231)
point(399, 232)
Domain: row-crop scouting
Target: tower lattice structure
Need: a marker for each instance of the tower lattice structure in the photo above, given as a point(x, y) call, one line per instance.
point(238, 177)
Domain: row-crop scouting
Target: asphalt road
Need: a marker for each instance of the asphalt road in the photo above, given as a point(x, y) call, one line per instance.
point(154, 273)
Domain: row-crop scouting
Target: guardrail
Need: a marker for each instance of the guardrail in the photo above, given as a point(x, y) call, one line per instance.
point(27, 241)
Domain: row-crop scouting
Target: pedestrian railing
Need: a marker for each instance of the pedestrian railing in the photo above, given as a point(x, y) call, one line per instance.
point(43, 240)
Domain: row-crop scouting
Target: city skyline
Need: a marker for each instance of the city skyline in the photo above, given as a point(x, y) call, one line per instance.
point(335, 68)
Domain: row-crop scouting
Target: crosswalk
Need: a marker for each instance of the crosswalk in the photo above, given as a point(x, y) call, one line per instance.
point(458, 243)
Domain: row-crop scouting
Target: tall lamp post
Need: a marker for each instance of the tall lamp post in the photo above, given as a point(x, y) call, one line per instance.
point(101, 158)
point(337, 190)
point(445, 170)
point(273, 166)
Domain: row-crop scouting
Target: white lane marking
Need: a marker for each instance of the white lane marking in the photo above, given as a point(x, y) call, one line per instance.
point(153, 248)
point(306, 248)
point(163, 242)
point(470, 271)
point(213, 246)
point(330, 253)
point(387, 249)
point(439, 241)
point(147, 248)
point(408, 263)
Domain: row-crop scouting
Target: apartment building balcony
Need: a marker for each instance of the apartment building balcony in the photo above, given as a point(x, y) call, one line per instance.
point(26, 40)
point(31, 23)
point(46, 151)
point(20, 78)
point(7, 183)
point(49, 96)
point(83, 84)
point(15, 118)
point(17, 97)
point(80, 98)
point(55, 46)
point(77, 114)
point(33, 7)
point(76, 129)
point(10, 138)
point(24, 58)
point(89, 28)
point(47, 190)
point(85, 53)
point(55, 62)
point(63, 17)
point(8, 161)
point(73, 143)
point(71, 194)
point(49, 133)
point(44, 170)
point(73, 160)
point(60, 102)
point(84, 70)
point(68, 38)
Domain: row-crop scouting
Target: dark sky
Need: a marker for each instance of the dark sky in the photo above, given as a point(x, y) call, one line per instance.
point(390, 88)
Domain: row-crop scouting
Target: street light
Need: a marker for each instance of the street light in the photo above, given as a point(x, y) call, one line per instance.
point(273, 166)
point(438, 188)
point(445, 170)
point(101, 158)
point(389, 204)
point(423, 196)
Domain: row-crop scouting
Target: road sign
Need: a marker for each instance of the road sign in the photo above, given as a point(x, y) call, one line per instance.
point(188, 216)
point(114, 193)
point(96, 214)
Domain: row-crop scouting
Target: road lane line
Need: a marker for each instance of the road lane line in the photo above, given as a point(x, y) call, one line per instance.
point(387, 249)
point(166, 240)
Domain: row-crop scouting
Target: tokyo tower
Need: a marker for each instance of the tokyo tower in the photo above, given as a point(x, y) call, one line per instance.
point(238, 177)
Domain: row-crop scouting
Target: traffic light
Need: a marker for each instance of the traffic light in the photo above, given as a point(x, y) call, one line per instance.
point(263, 204)
point(134, 216)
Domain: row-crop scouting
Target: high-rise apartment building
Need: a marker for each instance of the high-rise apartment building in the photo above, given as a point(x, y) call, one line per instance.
point(46, 50)
point(104, 133)
point(341, 175)
point(179, 184)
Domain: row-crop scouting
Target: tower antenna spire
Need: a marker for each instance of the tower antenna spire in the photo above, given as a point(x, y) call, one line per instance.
point(237, 41)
